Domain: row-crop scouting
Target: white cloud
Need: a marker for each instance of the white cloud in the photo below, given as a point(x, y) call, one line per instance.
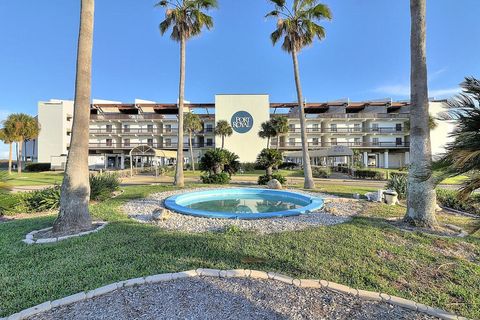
point(402, 90)
point(445, 93)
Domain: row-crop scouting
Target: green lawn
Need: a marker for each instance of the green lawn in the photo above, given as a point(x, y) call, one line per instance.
point(455, 180)
point(365, 253)
point(35, 178)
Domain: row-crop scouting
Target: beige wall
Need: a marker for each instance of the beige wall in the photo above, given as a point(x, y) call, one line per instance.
point(246, 145)
point(440, 135)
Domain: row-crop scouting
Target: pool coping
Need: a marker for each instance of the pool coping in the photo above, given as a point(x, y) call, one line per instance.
point(171, 203)
point(236, 273)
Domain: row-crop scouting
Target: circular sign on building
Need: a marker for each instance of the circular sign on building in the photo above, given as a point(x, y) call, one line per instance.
point(241, 122)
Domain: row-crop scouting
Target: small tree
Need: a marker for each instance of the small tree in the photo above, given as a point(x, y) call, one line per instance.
point(213, 161)
point(268, 159)
point(267, 131)
point(223, 129)
point(232, 165)
point(21, 128)
point(192, 124)
point(280, 127)
point(7, 137)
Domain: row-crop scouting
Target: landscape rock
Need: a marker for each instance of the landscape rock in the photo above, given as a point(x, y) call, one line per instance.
point(161, 214)
point(274, 184)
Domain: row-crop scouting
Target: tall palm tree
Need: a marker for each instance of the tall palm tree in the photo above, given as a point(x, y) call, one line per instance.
point(297, 27)
point(267, 131)
point(22, 127)
point(75, 193)
point(223, 129)
point(187, 19)
point(463, 153)
point(8, 137)
point(280, 125)
point(193, 124)
point(421, 182)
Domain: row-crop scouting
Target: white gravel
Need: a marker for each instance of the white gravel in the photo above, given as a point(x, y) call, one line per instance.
point(336, 210)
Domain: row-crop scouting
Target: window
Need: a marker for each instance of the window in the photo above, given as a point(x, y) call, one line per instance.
point(333, 141)
point(375, 141)
point(357, 141)
point(315, 127)
point(126, 128)
point(126, 142)
point(315, 141)
point(398, 141)
point(291, 142)
point(168, 142)
point(398, 127)
point(150, 142)
point(168, 128)
point(209, 128)
point(209, 142)
point(109, 142)
point(150, 128)
point(291, 127)
point(333, 127)
point(356, 127)
point(374, 126)
point(109, 128)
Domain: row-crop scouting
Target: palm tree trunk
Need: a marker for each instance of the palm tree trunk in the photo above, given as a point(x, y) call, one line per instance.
point(268, 142)
point(179, 181)
point(19, 158)
point(75, 193)
point(10, 157)
point(223, 141)
point(422, 198)
point(191, 151)
point(278, 143)
point(307, 169)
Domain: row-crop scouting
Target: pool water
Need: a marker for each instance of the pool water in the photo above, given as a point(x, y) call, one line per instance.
point(249, 204)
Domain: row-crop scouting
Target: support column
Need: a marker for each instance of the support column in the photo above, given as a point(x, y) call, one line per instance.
point(122, 162)
point(385, 159)
point(407, 158)
point(365, 159)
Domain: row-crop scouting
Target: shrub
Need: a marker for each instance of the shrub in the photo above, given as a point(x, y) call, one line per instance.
point(288, 165)
point(232, 229)
point(103, 185)
point(249, 167)
point(369, 174)
point(319, 172)
point(43, 200)
point(399, 183)
point(37, 167)
point(263, 180)
point(12, 203)
point(448, 198)
point(219, 178)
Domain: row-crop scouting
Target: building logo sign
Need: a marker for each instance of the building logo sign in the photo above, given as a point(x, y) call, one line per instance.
point(242, 122)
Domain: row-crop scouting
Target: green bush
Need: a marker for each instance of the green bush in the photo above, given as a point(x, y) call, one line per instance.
point(103, 185)
point(37, 167)
point(12, 203)
point(369, 174)
point(220, 178)
point(448, 198)
point(399, 183)
point(43, 200)
point(320, 172)
point(263, 180)
point(289, 166)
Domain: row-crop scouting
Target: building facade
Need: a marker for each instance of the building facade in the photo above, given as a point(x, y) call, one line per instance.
point(377, 131)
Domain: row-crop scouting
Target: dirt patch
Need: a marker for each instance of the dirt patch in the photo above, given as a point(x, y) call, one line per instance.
point(440, 230)
point(459, 250)
point(46, 234)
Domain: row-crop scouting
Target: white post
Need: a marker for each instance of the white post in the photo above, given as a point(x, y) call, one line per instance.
point(365, 159)
point(385, 161)
point(407, 158)
point(122, 162)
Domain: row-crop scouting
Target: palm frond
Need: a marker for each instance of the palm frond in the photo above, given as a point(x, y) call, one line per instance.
point(279, 3)
point(469, 186)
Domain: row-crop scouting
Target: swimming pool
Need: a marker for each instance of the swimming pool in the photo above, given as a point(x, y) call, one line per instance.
point(243, 203)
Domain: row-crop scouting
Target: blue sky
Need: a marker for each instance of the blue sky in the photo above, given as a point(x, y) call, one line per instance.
point(365, 54)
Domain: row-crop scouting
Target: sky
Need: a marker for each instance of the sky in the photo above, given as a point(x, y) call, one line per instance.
point(365, 55)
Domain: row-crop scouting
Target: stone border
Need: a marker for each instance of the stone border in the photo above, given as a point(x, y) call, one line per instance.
point(29, 239)
point(237, 273)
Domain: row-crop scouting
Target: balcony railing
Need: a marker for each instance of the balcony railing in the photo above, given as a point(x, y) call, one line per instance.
point(121, 116)
point(298, 145)
point(351, 130)
point(359, 115)
point(156, 145)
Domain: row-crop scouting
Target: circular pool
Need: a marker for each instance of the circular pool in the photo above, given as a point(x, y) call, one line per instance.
point(243, 203)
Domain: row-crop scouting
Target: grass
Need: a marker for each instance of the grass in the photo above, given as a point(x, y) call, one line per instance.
point(35, 178)
point(365, 253)
point(455, 180)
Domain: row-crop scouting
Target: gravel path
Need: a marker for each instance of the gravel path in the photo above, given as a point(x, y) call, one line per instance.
point(336, 210)
point(215, 298)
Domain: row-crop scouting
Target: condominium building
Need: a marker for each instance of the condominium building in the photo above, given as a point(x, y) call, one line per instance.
point(145, 131)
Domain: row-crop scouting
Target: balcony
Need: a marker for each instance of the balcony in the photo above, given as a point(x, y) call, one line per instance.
point(359, 116)
point(317, 145)
point(156, 145)
point(350, 130)
point(121, 116)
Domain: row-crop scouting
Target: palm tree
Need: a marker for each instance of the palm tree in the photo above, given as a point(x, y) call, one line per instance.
point(7, 137)
point(280, 125)
point(463, 154)
point(297, 28)
point(268, 159)
point(223, 129)
point(192, 124)
point(432, 123)
point(421, 182)
point(21, 127)
point(267, 131)
point(75, 192)
point(187, 20)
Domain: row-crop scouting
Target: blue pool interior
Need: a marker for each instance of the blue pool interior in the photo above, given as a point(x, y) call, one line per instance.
point(243, 203)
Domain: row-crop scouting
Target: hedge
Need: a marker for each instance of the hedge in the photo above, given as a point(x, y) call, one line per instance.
point(369, 174)
point(37, 167)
